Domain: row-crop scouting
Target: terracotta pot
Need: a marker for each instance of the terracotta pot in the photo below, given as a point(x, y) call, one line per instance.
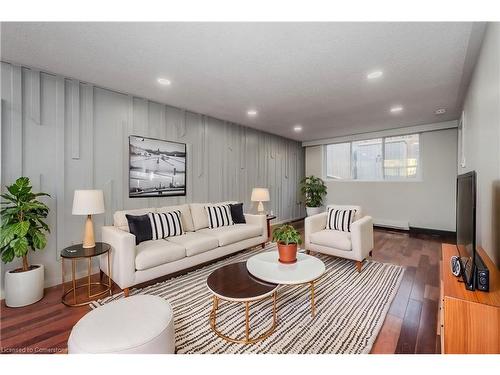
point(287, 253)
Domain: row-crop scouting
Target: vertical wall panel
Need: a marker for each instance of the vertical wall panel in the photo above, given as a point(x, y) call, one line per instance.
point(74, 108)
point(60, 161)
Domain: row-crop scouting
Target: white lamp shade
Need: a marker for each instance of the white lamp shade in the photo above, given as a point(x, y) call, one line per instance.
point(88, 202)
point(260, 195)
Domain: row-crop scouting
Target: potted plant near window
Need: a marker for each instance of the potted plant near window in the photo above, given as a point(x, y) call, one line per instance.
point(314, 190)
point(287, 239)
point(23, 229)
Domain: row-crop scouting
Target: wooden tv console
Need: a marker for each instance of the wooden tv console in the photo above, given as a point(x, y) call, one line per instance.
point(469, 321)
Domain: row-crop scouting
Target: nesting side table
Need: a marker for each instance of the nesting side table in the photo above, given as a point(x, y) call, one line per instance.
point(77, 252)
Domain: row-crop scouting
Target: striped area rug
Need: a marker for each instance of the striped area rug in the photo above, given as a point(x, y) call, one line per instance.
point(350, 310)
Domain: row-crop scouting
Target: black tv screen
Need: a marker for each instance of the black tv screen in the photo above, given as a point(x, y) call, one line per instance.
point(466, 225)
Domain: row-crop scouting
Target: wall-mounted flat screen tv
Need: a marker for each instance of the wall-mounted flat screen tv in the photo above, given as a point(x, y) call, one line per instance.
point(466, 225)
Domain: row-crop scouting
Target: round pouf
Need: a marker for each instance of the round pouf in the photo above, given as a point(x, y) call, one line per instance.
point(137, 324)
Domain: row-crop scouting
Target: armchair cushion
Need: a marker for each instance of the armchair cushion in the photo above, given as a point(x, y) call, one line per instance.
point(332, 238)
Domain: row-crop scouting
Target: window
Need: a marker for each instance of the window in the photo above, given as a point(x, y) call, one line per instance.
point(388, 158)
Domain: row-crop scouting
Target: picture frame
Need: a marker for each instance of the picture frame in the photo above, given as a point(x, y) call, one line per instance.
point(157, 167)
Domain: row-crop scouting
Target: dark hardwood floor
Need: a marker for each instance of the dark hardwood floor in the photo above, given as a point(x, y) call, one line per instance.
point(410, 325)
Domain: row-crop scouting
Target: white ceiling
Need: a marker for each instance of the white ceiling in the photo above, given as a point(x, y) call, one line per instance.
point(312, 74)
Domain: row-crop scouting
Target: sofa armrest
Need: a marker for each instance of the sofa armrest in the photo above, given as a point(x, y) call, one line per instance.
point(313, 224)
point(259, 220)
point(122, 255)
point(362, 237)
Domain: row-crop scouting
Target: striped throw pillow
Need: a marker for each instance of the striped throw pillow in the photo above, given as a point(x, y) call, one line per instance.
point(340, 219)
point(219, 216)
point(165, 224)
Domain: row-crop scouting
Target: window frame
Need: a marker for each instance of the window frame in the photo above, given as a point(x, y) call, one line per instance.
point(418, 177)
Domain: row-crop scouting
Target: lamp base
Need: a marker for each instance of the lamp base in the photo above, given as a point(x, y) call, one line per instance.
point(88, 236)
point(260, 209)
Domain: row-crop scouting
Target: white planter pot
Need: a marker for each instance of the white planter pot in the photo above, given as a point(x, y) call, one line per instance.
point(24, 288)
point(314, 210)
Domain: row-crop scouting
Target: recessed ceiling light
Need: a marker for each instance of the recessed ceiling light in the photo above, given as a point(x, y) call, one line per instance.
point(164, 81)
point(396, 109)
point(297, 128)
point(440, 111)
point(375, 74)
point(252, 112)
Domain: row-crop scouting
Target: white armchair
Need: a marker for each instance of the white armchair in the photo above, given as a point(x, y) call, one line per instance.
point(356, 245)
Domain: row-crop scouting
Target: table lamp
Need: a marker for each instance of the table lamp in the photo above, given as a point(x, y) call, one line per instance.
point(88, 202)
point(260, 195)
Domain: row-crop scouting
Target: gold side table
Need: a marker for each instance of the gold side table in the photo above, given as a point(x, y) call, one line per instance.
point(75, 253)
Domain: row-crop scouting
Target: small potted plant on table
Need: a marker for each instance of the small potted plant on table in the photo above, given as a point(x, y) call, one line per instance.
point(23, 229)
point(287, 239)
point(314, 189)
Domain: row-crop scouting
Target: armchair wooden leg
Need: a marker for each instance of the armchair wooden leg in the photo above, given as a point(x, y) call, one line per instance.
point(101, 275)
point(370, 253)
point(359, 265)
point(126, 292)
point(263, 244)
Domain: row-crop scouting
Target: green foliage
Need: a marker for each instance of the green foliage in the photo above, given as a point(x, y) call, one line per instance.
point(286, 234)
point(313, 189)
point(22, 221)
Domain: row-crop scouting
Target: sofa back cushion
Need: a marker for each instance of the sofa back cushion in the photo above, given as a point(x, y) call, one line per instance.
point(120, 220)
point(200, 218)
point(186, 217)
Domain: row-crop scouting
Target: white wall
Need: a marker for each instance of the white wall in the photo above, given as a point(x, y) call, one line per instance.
point(482, 140)
point(66, 135)
point(428, 203)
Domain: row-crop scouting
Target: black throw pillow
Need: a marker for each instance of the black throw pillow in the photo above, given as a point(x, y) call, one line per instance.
point(237, 213)
point(140, 227)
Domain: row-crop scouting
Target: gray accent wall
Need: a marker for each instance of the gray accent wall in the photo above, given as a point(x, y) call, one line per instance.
point(65, 135)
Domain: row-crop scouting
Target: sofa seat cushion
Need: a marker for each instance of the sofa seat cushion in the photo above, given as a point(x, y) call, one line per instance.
point(157, 252)
point(195, 242)
point(332, 238)
point(233, 233)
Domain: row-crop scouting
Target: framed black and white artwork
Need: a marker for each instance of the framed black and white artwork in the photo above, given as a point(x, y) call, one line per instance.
point(157, 168)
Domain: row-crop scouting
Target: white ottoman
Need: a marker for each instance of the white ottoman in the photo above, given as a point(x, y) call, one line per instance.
point(137, 324)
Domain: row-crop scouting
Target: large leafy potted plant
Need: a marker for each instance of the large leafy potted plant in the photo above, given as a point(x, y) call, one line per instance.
point(23, 229)
point(314, 190)
point(287, 239)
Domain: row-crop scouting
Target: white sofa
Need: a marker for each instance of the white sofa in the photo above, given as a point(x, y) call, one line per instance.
point(356, 245)
point(132, 265)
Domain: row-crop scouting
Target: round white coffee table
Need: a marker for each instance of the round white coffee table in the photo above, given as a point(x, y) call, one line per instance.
point(266, 267)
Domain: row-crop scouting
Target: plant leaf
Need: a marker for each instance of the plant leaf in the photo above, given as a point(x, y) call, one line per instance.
point(7, 234)
point(38, 238)
point(20, 246)
point(22, 228)
point(7, 254)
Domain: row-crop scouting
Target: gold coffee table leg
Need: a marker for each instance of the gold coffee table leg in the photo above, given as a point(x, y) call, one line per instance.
point(247, 322)
point(313, 307)
point(247, 339)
